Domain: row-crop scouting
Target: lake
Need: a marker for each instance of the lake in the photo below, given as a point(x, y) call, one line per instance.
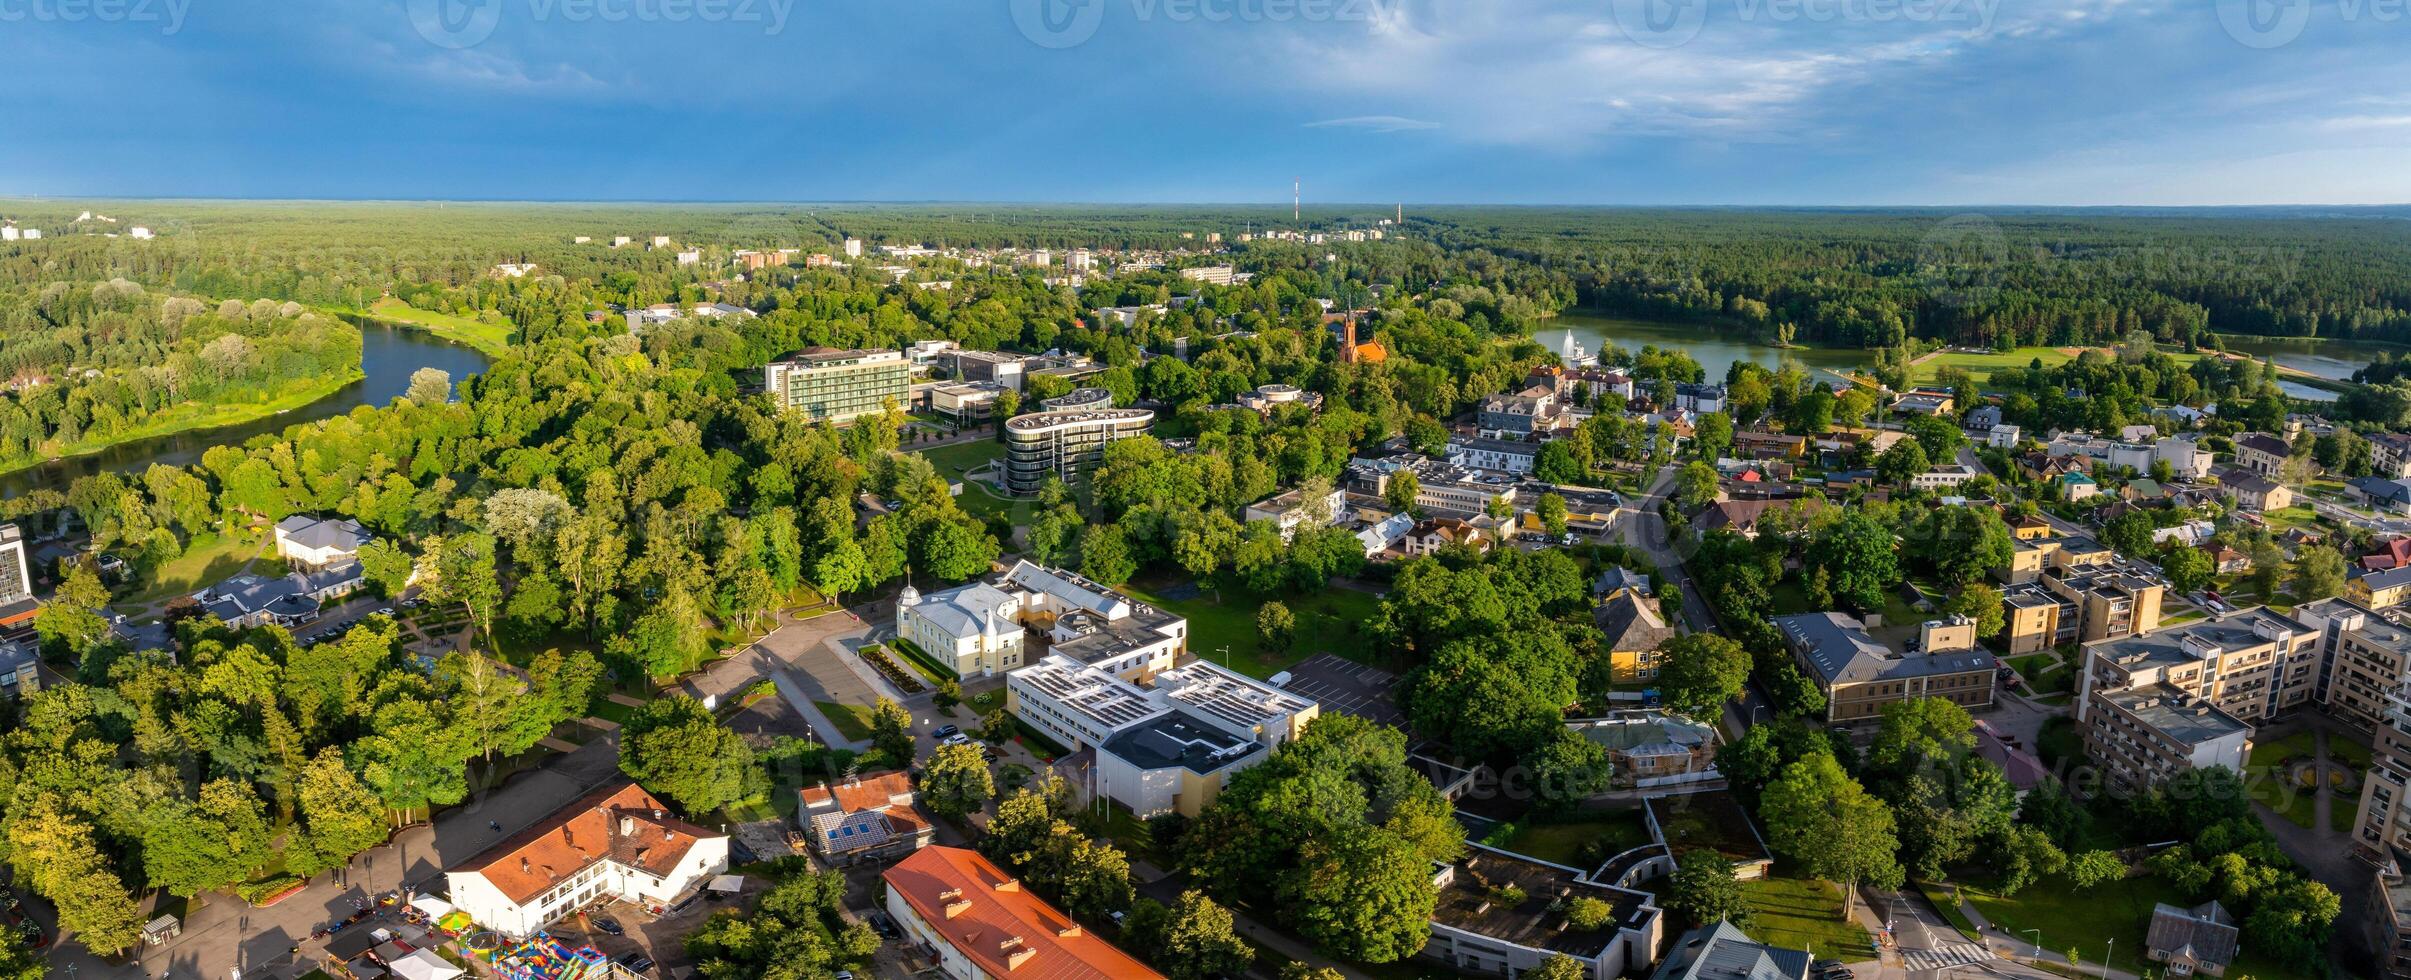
point(1714, 349)
point(388, 356)
point(2334, 360)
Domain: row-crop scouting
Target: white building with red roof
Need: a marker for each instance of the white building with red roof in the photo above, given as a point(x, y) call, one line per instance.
point(618, 842)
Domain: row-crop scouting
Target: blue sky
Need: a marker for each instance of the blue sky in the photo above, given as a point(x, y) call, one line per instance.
point(1430, 101)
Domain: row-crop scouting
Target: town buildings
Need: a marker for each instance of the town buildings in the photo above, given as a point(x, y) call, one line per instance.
point(1860, 675)
point(1652, 748)
point(983, 365)
point(980, 629)
point(1721, 952)
point(2262, 453)
point(2200, 941)
point(20, 648)
point(1168, 746)
point(982, 924)
point(615, 843)
point(1064, 445)
point(2154, 704)
point(966, 402)
point(839, 386)
point(862, 818)
point(1505, 914)
point(311, 542)
point(1079, 400)
point(1266, 398)
point(1634, 631)
point(1290, 510)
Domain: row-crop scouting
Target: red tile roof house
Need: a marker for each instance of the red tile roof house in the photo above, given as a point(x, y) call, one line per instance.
point(980, 922)
point(616, 842)
point(866, 818)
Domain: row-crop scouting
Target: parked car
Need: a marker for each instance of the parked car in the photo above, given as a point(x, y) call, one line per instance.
point(637, 963)
point(608, 926)
point(948, 731)
point(885, 926)
point(387, 611)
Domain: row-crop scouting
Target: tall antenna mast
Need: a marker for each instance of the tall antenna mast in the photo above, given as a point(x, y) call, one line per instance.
point(1297, 200)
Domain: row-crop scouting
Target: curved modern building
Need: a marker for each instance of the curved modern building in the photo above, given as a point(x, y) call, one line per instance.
point(1080, 400)
point(1064, 444)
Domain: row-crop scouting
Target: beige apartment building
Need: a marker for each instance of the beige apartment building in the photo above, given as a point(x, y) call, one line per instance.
point(1860, 675)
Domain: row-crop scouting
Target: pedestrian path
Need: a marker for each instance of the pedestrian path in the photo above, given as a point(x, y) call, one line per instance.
point(1955, 954)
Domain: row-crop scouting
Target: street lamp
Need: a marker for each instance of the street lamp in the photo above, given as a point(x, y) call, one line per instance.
point(2107, 955)
point(2038, 941)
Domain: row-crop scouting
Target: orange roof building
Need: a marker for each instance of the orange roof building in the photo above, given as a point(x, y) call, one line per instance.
point(863, 818)
point(983, 923)
point(616, 842)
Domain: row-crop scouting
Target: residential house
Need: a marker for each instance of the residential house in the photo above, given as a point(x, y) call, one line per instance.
point(1634, 631)
point(2226, 560)
point(2185, 457)
point(1431, 535)
point(1495, 455)
point(2077, 487)
point(1925, 402)
point(1527, 414)
point(1699, 399)
point(1943, 477)
point(863, 818)
point(2003, 436)
point(1859, 675)
point(982, 924)
point(2262, 453)
point(1652, 748)
point(2383, 589)
point(310, 542)
point(2254, 492)
point(1290, 510)
point(2389, 496)
point(1722, 952)
point(2391, 553)
point(1752, 444)
point(249, 600)
point(1743, 515)
point(2390, 455)
point(2192, 942)
point(978, 628)
point(617, 843)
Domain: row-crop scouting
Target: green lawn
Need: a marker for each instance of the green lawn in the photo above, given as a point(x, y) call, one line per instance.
point(1797, 913)
point(1330, 621)
point(2087, 921)
point(962, 458)
point(492, 336)
point(207, 560)
point(1946, 900)
point(2348, 752)
point(1981, 366)
point(2044, 672)
point(1607, 834)
point(2272, 787)
point(852, 720)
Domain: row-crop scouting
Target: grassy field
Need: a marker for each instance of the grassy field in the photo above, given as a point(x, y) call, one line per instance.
point(1797, 913)
point(491, 336)
point(1945, 900)
point(1981, 366)
point(206, 560)
point(2088, 920)
point(852, 720)
point(2271, 786)
point(978, 499)
point(1563, 843)
point(1330, 621)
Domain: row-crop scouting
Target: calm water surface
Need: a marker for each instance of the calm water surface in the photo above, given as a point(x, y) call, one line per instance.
point(388, 356)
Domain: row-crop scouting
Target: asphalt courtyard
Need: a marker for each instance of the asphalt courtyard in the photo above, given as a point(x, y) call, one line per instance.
point(1343, 685)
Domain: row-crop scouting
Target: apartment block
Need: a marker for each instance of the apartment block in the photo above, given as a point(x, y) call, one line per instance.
point(1065, 445)
point(837, 386)
point(1860, 675)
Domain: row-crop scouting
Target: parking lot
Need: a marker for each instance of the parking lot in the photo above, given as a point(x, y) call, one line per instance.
point(1343, 685)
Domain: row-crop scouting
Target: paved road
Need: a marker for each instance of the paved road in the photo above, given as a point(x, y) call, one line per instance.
point(1645, 529)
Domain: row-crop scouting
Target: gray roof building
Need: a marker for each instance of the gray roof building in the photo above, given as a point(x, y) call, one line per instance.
point(1722, 952)
point(2202, 939)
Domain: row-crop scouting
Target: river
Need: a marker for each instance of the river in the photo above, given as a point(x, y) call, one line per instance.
point(388, 356)
point(1714, 349)
point(2334, 360)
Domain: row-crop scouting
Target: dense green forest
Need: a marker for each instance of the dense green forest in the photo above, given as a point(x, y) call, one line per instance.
point(87, 364)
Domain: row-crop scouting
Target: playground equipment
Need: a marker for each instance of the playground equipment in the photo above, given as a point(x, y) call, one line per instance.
point(542, 957)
